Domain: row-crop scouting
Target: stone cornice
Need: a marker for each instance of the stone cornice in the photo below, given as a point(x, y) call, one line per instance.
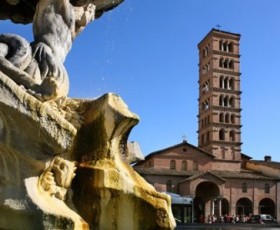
point(225, 34)
point(225, 125)
point(219, 33)
point(230, 109)
point(219, 108)
point(226, 143)
point(229, 91)
point(223, 53)
point(224, 71)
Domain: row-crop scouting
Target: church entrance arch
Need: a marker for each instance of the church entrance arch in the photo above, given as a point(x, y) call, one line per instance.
point(207, 201)
point(267, 206)
point(244, 207)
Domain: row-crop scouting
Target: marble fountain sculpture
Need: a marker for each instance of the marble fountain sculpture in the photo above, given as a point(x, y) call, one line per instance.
point(64, 163)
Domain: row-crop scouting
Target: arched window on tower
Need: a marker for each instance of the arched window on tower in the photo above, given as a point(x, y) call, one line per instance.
point(232, 135)
point(208, 66)
point(226, 83)
point(225, 63)
point(205, 104)
point(205, 87)
point(230, 64)
point(221, 117)
point(221, 82)
point(221, 100)
point(202, 139)
point(227, 118)
point(221, 45)
point(225, 46)
point(231, 102)
point(204, 53)
point(230, 47)
point(226, 101)
point(232, 118)
point(221, 62)
point(231, 84)
point(204, 70)
point(222, 134)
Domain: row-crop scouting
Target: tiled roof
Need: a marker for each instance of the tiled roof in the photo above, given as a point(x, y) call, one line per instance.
point(272, 164)
point(200, 174)
point(162, 172)
point(245, 156)
point(182, 144)
point(244, 174)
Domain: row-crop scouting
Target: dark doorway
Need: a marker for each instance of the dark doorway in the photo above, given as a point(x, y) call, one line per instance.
point(225, 207)
point(244, 207)
point(267, 206)
point(199, 209)
point(205, 192)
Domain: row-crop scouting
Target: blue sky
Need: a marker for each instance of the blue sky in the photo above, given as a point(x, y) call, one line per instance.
point(146, 51)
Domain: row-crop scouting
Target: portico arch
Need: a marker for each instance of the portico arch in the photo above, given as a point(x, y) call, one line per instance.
point(267, 206)
point(244, 207)
point(207, 190)
point(207, 200)
point(225, 207)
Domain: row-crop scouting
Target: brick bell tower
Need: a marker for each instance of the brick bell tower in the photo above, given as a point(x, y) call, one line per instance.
point(219, 119)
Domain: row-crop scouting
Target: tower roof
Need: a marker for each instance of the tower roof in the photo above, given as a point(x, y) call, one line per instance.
point(223, 33)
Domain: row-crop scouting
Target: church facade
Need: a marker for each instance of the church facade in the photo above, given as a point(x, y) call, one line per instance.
point(216, 177)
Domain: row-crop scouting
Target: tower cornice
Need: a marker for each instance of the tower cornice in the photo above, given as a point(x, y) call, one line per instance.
point(229, 72)
point(224, 54)
point(222, 34)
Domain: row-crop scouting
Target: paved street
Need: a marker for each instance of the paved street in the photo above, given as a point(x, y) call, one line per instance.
point(238, 226)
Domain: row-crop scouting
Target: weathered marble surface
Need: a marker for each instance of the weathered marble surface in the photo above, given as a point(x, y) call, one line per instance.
point(64, 163)
point(23, 11)
point(106, 193)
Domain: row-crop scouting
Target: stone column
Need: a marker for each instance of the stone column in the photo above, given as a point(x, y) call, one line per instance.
point(213, 207)
point(219, 208)
point(207, 211)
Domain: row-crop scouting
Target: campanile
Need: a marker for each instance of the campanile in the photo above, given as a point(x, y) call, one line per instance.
point(219, 113)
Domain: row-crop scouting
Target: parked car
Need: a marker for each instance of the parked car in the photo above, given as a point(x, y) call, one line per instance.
point(262, 219)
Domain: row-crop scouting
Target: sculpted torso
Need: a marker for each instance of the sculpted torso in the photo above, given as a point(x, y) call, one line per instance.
point(41, 70)
point(53, 26)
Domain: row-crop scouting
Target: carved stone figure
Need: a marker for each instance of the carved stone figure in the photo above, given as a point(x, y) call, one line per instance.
point(46, 138)
point(57, 178)
point(40, 70)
